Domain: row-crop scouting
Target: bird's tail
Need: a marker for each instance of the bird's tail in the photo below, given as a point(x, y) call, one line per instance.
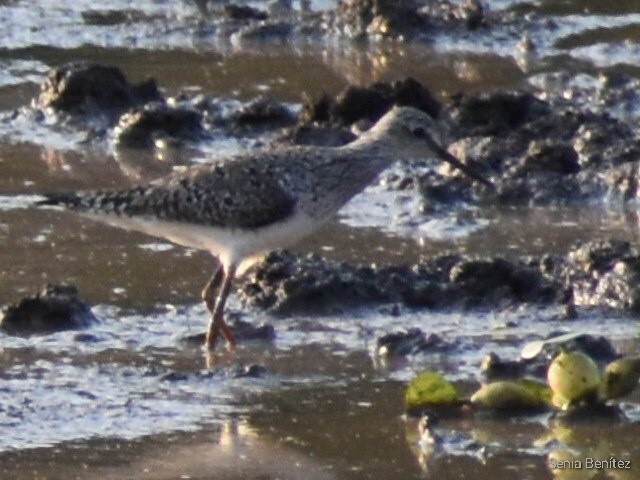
point(69, 200)
point(22, 201)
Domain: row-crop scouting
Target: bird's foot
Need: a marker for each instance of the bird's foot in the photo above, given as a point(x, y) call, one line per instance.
point(217, 327)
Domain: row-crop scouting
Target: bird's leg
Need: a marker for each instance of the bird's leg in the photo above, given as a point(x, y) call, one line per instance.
point(208, 293)
point(217, 323)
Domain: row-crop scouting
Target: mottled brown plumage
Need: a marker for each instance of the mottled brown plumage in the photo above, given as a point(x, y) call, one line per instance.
point(249, 204)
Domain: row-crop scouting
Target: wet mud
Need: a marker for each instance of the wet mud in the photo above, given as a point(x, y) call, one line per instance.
point(425, 270)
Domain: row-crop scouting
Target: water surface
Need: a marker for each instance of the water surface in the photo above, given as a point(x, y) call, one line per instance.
point(128, 399)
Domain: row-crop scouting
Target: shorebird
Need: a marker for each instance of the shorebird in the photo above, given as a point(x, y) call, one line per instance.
point(243, 207)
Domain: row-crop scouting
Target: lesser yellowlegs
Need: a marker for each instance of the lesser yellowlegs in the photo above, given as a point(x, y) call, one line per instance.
point(242, 207)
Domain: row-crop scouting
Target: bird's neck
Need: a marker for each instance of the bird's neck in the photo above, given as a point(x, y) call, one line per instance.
point(372, 149)
point(343, 172)
point(369, 138)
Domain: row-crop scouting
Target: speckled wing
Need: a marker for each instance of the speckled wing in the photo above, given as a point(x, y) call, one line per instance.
point(237, 194)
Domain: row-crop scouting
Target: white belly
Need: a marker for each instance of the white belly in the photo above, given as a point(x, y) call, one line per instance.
point(241, 247)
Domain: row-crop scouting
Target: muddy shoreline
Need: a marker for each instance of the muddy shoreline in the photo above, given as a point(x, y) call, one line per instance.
point(435, 268)
point(554, 159)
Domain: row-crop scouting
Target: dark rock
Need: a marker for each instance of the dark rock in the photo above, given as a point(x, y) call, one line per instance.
point(537, 153)
point(282, 8)
point(407, 19)
point(569, 300)
point(496, 114)
point(286, 283)
point(602, 141)
point(216, 373)
point(246, 331)
point(194, 340)
point(242, 330)
point(599, 348)
point(500, 278)
point(437, 190)
point(618, 185)
point(409, 342)
point(409, 92)
point(56, 308)
point(589, 412)
point(605, 273)
point(371, 103)
point(468, 13)
point(598, 257)
point(109, 17)
point(361, 18)
point(266, 31)
point(355, 103)
point(562, 159)
point(86, 338)
point(318, 110)
point(174, 377)
point(536, 362)
point(473, 14)
point(86, 88)
point(249, 371)
point(138, 128)
point(428, 294)
point(543, 188)
point(495, 368)
point(620, 287)
point(243, 12)
point(263, 111)
point(515, 193)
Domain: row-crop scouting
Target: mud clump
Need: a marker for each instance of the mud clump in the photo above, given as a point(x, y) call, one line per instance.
point(409, 342)
point(56, 308)
point(538, 149)
point(243, 12)
point(369, 103)
point(100, 98)
point(535, 364)
point(286, 283)
point(545, 152)
point(497, 279)
point(551, 157)
point(604, 274)
point(141, 126)
point(496, 114)
point(260, 114)
point(359, 18)
point(324, 121)
point(242, 330)
point(401, 19)
point(92, 89)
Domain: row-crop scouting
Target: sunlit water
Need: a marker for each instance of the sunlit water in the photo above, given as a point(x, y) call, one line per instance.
point(127, 398)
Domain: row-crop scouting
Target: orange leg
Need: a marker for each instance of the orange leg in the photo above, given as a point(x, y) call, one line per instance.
point(210, 289)
point(217, 324)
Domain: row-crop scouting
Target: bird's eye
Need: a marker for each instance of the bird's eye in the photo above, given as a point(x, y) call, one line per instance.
point(419, 132)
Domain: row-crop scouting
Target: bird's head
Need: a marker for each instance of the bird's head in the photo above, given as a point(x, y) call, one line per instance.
point(405, 124)
point(411, 133)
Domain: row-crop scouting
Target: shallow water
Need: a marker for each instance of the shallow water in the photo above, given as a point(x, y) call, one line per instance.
point(128, 399)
